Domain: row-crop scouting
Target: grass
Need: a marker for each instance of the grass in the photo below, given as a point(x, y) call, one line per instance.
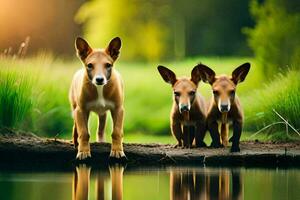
point(282, 95)
point(15, 98)
point(147, 97)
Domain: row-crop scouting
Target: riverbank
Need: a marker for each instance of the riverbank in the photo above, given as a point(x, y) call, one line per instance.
point(28, 150)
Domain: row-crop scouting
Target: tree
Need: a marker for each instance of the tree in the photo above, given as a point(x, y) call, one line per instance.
point(275, 38)
point(140, 24)
point(168, 29)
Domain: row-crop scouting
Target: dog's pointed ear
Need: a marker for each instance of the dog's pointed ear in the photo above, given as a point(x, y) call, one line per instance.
point(167, 74)
point(240, 73)
point(82, 47)
point(207, 75)
point(113, 48)
point(195, 75)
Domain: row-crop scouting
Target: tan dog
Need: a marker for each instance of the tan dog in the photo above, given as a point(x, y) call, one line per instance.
point(188, 111)
point(98, 87)
point(225, 105)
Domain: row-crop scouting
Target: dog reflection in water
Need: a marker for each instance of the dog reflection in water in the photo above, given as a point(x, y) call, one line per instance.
point(206, 184)
point(81, 183)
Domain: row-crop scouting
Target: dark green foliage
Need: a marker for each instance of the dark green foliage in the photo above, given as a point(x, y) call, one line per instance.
point(282, 94)
point(155, 30)
point(275, 38)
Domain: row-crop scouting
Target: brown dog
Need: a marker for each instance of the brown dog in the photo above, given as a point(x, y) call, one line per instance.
point(225, 105)
point(97, 87)
point(188, 111)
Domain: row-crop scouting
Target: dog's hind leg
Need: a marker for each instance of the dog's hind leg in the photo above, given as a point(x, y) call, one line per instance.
point(224, 134)
point(101, 127)
point(75, 135)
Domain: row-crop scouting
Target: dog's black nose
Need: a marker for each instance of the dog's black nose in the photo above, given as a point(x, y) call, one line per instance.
point(184, 108)
point(99, 80)
point(224, 108)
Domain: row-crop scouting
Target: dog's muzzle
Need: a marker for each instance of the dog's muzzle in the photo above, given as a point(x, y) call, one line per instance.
point(99, 80)
point(224, 106)
point(184, 108)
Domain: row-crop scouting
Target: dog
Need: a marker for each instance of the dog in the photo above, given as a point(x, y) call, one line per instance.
point(225, 105)
point(98, 88)
point(188, 115)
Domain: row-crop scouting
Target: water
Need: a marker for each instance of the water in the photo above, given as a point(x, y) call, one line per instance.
point(152, 183)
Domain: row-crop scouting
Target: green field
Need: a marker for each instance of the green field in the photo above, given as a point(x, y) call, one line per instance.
point(45, 81)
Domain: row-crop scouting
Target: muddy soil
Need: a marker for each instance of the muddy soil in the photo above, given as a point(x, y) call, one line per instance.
point(20, 149)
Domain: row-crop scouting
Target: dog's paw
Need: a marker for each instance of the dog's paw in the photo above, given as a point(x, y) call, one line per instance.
point(177, 146)
point(82, 155)
point(187, 147)
point(117, 156)
point(201, 144)
point(225, 143)
point(235, 148)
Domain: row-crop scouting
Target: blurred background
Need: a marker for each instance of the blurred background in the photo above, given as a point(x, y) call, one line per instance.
point(180, 28)
point(37, 59)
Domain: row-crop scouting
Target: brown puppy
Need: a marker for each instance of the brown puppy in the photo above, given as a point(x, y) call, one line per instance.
point(225, 105)
point(188, 111)
point(98, 87)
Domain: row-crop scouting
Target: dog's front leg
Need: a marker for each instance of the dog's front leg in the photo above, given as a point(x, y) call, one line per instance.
point(237, 131)
point(214, 133)
point(200, 134)
point(101, 127)
point(177, 132)
point(81, 119)
point(188, 136)
point(117, 134)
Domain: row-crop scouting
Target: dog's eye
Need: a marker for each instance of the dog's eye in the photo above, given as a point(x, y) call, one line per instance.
point(215, 92)
point(176, 94)
point(90, 66)
point(192, 93)
point(108, 65)
point(232, 93)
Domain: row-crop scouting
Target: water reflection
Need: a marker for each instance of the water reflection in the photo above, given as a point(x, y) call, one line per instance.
point(151, 183)
point(205, 184)
point(81, 183)
point(185, 183)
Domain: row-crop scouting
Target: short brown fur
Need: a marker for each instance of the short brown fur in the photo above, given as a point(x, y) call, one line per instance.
point(225, 105)
point(97, 88)
point(188, 115)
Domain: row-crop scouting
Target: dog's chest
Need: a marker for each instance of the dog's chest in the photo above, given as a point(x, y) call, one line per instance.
point(100, 105)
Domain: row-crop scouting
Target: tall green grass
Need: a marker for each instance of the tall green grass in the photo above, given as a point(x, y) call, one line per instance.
point(16, 101)
point(148, 98)
point(282, 95)
point(47, 79)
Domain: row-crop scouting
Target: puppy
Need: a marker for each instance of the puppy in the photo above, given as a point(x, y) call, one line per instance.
point(225, 106)
point(98, 88)
point(188, 116)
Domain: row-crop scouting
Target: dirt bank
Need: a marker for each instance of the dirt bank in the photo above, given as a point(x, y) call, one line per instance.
point(25, 149)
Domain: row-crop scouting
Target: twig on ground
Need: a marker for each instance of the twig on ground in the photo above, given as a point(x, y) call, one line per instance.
point(284, 121)
point(266, 127)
